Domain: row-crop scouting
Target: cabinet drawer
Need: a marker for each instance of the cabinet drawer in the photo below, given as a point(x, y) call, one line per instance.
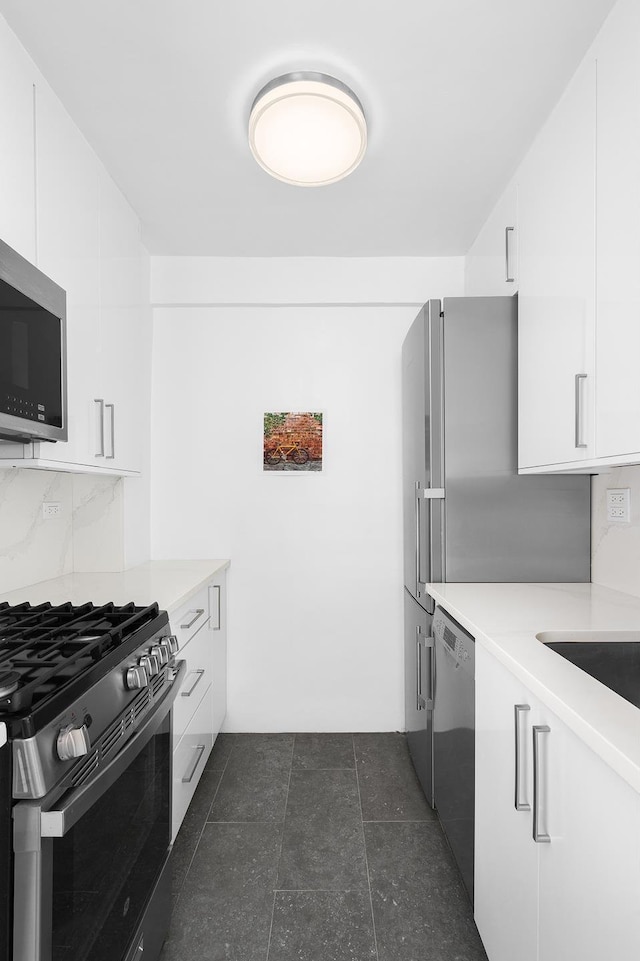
point(198, 654)
point(189, 759)
point(191, 617)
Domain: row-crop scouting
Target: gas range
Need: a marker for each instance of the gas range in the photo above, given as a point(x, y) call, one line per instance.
point(85, 694)
point(67, 675)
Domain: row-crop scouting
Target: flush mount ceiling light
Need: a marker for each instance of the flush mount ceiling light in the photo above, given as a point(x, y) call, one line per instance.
point(307, 129)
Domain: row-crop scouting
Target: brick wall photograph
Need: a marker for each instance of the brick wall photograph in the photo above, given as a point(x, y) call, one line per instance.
point(292, 441)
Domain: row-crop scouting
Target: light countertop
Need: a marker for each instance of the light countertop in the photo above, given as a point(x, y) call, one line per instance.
point(170, 583)
point(505, 619)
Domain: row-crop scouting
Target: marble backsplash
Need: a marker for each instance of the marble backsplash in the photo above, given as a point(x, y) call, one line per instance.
point(615, 548)
point(86, 536)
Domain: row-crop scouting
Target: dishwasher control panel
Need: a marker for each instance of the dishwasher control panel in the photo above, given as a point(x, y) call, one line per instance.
point(452, 636)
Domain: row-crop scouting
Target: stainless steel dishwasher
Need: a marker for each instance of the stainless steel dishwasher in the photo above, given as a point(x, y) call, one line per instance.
point(454, 738)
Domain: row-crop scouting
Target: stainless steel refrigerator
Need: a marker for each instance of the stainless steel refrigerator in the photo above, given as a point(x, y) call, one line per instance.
point(468, 515)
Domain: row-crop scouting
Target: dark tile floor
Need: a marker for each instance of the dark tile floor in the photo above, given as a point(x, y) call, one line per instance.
point(315, 847)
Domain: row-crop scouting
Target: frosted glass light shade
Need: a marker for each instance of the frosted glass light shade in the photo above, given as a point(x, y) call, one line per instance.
point(307, 129)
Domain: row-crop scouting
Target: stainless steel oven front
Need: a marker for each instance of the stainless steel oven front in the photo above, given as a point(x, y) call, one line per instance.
point(90, 860)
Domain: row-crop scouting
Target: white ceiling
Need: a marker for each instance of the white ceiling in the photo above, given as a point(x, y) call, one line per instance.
point(454, 92)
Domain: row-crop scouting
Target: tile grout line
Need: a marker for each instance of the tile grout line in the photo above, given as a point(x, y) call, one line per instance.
point(275, 890)
point(186, 873)
point(364, 845)
point(432, 820)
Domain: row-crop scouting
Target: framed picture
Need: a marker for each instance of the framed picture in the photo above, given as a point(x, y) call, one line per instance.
point(292, 441)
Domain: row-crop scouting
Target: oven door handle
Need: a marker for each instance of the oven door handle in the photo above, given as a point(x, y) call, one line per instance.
point(56, 823)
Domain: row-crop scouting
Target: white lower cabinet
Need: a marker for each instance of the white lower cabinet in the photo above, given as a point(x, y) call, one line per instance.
point(201, 705)
point(189, 758)
point(576, 895)
point(506, 859)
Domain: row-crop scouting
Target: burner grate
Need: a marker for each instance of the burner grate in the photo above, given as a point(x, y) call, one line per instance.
point(50, 647)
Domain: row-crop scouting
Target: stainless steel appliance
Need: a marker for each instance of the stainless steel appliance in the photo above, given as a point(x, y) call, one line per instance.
point(468, 515)
point(86, 694)
point(33, 388)
point(454, 754)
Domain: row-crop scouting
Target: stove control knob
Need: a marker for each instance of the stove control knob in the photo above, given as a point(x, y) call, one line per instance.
point(165, 643)
point(172, 641)
point(136, 677)
point(149, 665)
point(161, 653)
point(73, 742)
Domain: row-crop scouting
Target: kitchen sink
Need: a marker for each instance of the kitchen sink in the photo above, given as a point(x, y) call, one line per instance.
point(611, 657)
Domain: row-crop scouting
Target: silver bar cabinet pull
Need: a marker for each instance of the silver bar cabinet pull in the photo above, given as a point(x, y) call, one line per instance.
point(199, 749)
point(578, 410)
point(215, 606)
point(100, 402)
point(507, 265)
point(538, 836)
point(517, 711)
point(419, 699)
point(200, 672)
point(112, 408)
point(198, 612)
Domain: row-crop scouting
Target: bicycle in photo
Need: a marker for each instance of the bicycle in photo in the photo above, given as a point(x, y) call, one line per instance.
point(283, 451)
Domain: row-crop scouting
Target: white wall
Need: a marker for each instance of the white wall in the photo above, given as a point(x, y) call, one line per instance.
point(315, 614)
point(315, 584)
point(304, 280)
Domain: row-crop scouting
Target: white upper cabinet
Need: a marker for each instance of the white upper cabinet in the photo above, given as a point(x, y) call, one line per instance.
point(124, 348)
point(556, 227)
point(17, 190)
point(60, 209)
point(579, 251)
point(69, 252)
point(491, 266)
point(618, 243)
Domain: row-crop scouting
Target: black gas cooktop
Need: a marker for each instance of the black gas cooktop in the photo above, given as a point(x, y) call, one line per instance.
point(52, 654)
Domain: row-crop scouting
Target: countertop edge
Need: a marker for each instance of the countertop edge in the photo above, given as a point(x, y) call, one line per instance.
point(142, 583)
point(604, 732)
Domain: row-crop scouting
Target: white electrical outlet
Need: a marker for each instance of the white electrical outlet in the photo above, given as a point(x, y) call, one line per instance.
point(51, 509)
point(619, 505)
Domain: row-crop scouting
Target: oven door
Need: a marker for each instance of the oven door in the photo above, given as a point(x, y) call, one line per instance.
point(86, 867)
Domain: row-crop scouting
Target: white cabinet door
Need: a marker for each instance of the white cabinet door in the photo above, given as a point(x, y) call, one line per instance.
point(589, 890)
point(618, 244)
point(125, 352)
point(201, 628)
point(506, 859)
point(68, 251)
point(556, 228)
point(577, 895)
point(491, 265)
point(17, 180)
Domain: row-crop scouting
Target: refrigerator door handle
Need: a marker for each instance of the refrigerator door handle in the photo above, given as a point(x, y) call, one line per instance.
point(419, 698)
point(418, 498)
point(429, 643)
point(423, 643)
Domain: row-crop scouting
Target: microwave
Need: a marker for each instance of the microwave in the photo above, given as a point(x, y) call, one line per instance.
point(33, 364)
